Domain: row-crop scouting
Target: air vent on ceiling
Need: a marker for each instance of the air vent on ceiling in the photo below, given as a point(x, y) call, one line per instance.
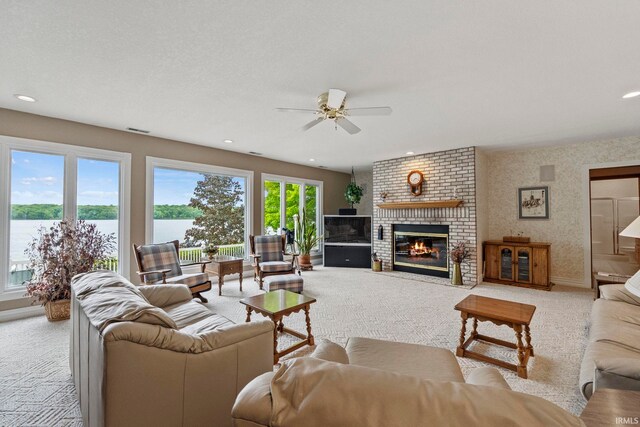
point(138, 130)
point(255, 153)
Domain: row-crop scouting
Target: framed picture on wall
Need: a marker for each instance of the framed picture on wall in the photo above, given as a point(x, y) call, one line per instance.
point(533, 203)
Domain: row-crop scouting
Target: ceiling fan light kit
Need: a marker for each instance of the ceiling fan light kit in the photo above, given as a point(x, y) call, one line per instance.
point(331, 106)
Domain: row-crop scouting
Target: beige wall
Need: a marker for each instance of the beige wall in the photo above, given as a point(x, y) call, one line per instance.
point(22, 125)
point(568, 199)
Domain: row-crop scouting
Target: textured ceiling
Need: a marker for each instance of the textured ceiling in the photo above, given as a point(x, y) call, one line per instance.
point(456, 73)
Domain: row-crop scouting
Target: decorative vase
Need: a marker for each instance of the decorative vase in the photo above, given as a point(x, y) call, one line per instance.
point(58, 310)
point(304, 260)
point(456, 279)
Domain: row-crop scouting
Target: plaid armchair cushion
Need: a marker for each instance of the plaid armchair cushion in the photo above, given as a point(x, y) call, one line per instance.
point(269, 248)
point(159, 257)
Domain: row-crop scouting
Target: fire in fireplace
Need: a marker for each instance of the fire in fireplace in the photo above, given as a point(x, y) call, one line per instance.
point(421, 249)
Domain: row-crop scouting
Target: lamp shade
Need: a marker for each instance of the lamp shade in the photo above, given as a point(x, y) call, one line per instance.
point(633, 230)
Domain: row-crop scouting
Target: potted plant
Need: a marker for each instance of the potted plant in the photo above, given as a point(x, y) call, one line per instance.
point(352, 194)
point(459, 253)
point(210, 250)
point(306, 239)
point(56, 255)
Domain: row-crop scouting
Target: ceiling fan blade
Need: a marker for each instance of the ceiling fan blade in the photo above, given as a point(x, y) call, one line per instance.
point(347, 125)
point(312, 123)
point(368, 111)
point(336, 97)
point(296, 110)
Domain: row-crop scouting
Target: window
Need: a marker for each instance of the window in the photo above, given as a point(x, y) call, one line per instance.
point(198, 205)
point(42, 183)
point(284, 197)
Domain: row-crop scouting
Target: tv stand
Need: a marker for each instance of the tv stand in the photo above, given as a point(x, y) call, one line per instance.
point(347, 241)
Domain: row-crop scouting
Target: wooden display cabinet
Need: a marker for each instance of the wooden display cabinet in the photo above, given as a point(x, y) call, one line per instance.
point(519, 264)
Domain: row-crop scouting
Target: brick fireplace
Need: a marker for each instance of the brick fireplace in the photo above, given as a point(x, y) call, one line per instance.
point(448, 175)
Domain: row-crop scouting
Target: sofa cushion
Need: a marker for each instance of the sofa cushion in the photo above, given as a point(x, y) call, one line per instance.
point(633, 284)
point(487, 376)
point(269, 248)
point(275, 266)
point(191, 312)
point(311, 392)
point(331, 352)
point(618, 293)
point(106, 297)
point(190, 280)
point(616, 322)
point(253, 403)
point(429, 363)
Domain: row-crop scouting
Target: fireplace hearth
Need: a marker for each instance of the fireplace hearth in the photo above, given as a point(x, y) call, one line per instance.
point(421, 249)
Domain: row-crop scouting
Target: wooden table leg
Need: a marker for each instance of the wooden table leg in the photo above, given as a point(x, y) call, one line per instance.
point(281, 325)
point(463, 332)
point(527, 337)
point(522, 368)
point(220, 282)
point(276, 356)
point(474, 332)
point(248, 319)
point(240, 279)
point(310, 339)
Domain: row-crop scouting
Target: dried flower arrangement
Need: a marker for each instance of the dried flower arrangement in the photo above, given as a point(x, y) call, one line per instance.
point(62, 251)
point(459, 252)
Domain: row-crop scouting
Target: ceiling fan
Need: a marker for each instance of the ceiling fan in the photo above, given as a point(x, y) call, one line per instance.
point(331, 107)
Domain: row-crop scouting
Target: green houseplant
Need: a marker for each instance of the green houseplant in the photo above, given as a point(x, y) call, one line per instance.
point(306, 239)
point(353, 193)
point(58, 253)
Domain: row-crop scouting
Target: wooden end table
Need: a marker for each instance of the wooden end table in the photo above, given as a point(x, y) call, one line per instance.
point(610, 407)
point(223, 265)
point(500, 312)
point(276, 305)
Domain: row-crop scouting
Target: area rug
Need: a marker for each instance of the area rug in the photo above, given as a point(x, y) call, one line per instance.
point(36, 387)
point(423, 278)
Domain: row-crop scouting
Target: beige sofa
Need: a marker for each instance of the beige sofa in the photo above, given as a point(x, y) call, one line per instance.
point(152, 356)
point(381, 383)
point(612, 355)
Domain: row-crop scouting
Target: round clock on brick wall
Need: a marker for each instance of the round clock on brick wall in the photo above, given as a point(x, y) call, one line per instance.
point(415, 179)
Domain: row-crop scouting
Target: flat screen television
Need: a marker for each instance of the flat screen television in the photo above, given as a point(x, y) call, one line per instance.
point(347, 229)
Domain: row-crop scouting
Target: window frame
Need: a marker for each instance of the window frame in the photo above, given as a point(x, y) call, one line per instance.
point(154, 162)
point(71, 155)
point(284, 180)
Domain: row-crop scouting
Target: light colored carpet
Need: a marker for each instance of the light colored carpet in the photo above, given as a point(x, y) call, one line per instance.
point(36, 388)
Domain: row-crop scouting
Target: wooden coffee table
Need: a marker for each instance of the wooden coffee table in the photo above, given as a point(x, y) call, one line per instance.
point(610, 407)
point(500, 312)
point(276, 305)
point(223, 265)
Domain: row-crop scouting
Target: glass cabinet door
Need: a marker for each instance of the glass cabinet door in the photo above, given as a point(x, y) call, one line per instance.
point(524, 265)
point(506, 263)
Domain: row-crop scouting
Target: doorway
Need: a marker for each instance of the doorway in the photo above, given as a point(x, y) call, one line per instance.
point(615, 203)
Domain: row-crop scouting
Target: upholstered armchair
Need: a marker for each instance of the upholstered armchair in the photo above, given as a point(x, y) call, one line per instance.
point(268, 257)
point(160, 264)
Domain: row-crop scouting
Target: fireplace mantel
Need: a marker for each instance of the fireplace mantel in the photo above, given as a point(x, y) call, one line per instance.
point(411, 205)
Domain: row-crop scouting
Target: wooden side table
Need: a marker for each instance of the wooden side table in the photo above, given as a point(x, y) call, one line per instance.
point(610, 407)
point(223, 265)
point(276, 305)
point(500, 312)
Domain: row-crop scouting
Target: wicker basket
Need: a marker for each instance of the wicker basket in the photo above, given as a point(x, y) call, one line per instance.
point(58, 310)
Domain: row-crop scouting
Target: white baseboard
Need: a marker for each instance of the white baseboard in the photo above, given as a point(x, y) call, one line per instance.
point(565, 281)
point(21, 313)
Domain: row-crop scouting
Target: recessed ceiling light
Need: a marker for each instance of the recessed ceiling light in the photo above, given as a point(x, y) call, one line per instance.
point(631, 94)
point(228, 141)
point(410, 152)
point(25, 98)
point(312, 160)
